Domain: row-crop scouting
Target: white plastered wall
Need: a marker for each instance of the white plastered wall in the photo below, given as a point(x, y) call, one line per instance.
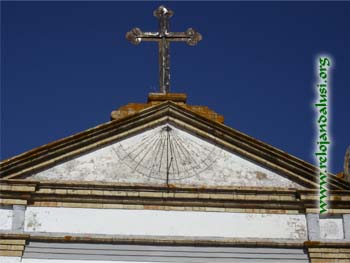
point(6, 215)
point(331, 228)
point(164, 223)
point(11, 259)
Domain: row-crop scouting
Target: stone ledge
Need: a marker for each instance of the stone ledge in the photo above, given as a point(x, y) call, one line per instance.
point(328, 252)
point(164, 207)
point(166, 240)
point(6, 201)
point(102, 195)
point(12, 245)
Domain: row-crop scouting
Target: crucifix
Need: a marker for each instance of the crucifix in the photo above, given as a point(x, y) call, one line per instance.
point(164, 37)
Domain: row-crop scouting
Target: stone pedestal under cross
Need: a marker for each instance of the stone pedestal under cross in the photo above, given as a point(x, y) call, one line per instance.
point(164, 37)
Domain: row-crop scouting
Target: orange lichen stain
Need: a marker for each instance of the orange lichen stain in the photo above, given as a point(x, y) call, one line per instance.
point(128, 109)
point(260, 175)
point(341, 175)
point(205, 112)
point(312, 243)
point(157, 98)
point(172, 186)
point(336, 198)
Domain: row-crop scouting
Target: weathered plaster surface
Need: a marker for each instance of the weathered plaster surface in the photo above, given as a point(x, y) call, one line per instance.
point(152, 155)
point(164, 223)
point(11, 259)
point(331, 228)
point(18, 217)
point(313, 226)
point(346, 226)
point(5, 218)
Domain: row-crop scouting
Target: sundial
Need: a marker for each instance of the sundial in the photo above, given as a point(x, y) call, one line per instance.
point(167, 154)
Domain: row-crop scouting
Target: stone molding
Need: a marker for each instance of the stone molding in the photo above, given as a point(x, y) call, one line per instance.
point(189, 198)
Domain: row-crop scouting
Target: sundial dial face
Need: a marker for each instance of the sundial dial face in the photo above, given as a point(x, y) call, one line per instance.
point(167, 153)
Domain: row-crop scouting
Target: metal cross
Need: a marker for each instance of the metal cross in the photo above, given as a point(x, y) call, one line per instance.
point(164, 37)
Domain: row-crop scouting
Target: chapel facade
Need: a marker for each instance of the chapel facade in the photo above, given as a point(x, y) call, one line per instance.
point(165, 181)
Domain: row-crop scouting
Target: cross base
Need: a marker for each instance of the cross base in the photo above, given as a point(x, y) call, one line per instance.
point(159, 97)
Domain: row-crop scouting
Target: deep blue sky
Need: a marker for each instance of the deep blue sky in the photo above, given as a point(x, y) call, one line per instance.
point(66, 65)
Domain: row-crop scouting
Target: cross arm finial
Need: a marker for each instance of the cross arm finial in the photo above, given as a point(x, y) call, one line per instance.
point(163, 12)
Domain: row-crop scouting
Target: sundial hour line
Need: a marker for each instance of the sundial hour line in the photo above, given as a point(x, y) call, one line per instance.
point(140, 147)
point(147, 151)
point(161, 152)
point(156, 156)
point(140, 150)
point(189, 159)
point(167, 129)
point(185, 150)
point(174, 156)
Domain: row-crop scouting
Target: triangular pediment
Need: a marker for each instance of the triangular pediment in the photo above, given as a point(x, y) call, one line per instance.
point(166, 154)
point(164, 144)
